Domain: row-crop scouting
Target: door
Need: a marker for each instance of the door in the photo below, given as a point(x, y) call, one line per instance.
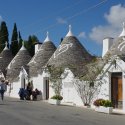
point(24, 83)
point(116, 90)
point(120, 93)
point(45, 88)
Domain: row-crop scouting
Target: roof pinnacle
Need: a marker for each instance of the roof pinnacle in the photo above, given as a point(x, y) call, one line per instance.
point(123, 31)
point(6, 47)
point(47, 37)
point(70, 31)
point(23, 48)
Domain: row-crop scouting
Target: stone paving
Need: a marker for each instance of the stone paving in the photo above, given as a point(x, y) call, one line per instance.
point(16, 112)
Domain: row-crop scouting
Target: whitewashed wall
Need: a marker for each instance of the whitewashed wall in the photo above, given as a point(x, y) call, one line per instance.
point(37, 82)
point(105, 91)
point(13, 88)
point(69, 92)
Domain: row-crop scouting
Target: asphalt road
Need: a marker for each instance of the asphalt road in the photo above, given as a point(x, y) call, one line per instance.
point(16, 112)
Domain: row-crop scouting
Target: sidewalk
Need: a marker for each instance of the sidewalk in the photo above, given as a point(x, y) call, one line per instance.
point(118, 111)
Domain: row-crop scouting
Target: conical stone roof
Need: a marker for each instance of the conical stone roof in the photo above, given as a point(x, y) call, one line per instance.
point(70, 53)
point(41, 57)
point(5, 58)
point(116, 50)
point(14, 67)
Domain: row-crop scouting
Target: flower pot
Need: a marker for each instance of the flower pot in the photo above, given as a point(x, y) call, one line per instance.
point(104, 109)
point(54, 101)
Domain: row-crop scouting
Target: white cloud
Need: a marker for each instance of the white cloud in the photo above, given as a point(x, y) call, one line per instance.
point(114, 19)
point(61, 20)
point(116, 16)
point(82, 35)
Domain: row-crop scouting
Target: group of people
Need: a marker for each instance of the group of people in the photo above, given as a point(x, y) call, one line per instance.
point(28, 92)
point(23, 93)
point(3, 88)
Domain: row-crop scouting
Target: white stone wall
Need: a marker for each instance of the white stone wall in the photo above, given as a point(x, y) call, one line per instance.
point(123, 91)
point(13, 88)
point(105, 91)
point(69, 92)
point(37, 82)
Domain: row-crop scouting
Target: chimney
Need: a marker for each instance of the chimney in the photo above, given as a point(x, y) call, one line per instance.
point(37, 46)
point(107, 43)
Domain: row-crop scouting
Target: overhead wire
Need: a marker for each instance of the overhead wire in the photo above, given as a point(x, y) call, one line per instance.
point(47, 17)
point(70, 17)
point(54, 13)
point(73, 16)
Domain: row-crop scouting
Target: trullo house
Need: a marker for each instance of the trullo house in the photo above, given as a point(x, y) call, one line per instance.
point(17, 72)
point(72, 57)
point(5, 58)
point(37, 63)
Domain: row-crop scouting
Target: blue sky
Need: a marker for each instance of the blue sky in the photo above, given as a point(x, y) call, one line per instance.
point(91, 20)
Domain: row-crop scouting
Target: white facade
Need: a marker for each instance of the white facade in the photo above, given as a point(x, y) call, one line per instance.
point(105, 92)
point(39, 82)
point(69, 92)
point(13, 88)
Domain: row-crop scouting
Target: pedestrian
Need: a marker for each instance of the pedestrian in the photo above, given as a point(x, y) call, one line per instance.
point(29, 90)
point(3, 88)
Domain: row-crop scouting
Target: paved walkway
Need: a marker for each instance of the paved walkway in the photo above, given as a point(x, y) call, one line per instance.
point(16, 112)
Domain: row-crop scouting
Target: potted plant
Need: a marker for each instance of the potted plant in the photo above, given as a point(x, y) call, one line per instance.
point(104, 106)
point(56, 99)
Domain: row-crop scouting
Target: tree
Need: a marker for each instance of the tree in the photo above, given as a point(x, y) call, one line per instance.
point(30, 44)
point(87, 89)
point(34, 39)
point(88, 86)
point(20, 41)
point(14, 40)
point(56, 78)
point(3, 35)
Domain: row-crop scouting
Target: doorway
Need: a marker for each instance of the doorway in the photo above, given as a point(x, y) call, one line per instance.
point(46, 88)
point(116, 90)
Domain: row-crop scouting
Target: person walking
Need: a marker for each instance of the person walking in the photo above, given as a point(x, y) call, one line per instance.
point(3, 88)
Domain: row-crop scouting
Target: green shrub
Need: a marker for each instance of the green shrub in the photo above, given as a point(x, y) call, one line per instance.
point(108, 103)
point(58, 97)
point(102, 102)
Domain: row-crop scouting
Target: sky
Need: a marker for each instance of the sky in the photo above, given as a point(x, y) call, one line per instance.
point(91, 20)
